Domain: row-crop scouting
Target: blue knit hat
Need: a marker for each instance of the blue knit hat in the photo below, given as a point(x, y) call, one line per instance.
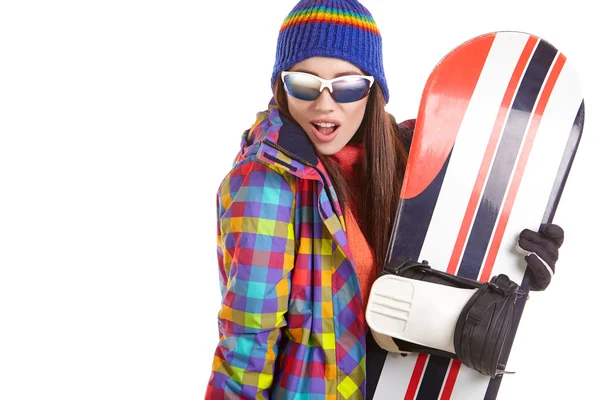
point(342, 29)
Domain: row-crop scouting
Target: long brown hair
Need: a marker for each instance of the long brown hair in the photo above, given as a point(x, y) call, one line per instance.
point(383, 165)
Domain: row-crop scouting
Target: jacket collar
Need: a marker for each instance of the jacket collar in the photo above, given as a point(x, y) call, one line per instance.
point(279, 141)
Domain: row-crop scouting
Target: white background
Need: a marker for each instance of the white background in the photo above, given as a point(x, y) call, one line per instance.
point(118, 120)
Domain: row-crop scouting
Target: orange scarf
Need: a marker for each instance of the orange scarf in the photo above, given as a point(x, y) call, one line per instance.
point(349, 158)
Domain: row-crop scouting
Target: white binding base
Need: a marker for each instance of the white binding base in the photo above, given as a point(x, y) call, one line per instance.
point(415, 311)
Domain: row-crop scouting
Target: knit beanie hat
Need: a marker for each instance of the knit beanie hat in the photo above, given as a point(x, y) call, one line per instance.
point(342, 29)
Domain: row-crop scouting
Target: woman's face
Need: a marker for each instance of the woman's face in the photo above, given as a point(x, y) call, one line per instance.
point(317, 116)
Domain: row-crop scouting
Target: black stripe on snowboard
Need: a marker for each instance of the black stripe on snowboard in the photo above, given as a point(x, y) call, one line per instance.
point(415, 216)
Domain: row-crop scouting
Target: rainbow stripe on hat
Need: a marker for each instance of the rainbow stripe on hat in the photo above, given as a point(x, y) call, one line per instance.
point(330, 15)
point(342, 29)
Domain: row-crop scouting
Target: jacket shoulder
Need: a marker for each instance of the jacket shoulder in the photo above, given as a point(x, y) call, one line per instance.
point(253, 180)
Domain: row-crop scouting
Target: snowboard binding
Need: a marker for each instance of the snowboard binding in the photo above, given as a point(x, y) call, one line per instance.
point(415, 308)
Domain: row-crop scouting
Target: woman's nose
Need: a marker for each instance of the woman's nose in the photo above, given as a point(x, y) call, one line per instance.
point(325, 102)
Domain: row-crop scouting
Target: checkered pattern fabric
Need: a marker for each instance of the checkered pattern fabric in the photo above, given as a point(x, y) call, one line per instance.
point(291, 322)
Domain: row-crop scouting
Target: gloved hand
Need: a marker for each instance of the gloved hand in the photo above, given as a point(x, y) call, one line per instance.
point(541, 253)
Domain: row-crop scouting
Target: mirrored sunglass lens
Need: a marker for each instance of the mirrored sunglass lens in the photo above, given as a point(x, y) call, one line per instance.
point(350, 89)
point(302, 87)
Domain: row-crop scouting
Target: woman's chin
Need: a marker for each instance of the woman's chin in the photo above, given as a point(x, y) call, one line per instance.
point(328, 148)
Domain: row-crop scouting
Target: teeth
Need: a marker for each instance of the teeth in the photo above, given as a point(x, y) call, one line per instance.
point(325, 124)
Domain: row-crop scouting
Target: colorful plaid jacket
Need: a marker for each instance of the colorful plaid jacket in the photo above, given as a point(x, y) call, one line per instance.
point(291, 323)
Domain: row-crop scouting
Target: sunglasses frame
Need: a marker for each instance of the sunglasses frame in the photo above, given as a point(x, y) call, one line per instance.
point(327, 83)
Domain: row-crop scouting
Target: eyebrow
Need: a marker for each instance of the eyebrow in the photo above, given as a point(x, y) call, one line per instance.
point(336, 75)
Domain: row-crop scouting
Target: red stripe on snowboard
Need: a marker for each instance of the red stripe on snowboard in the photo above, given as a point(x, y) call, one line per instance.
point(415, 379)
point(423, 165)
point(450, 380)
point(489, 155)
point(521, 164)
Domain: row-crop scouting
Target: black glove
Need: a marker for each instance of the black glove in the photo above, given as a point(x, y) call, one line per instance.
point(541, 253)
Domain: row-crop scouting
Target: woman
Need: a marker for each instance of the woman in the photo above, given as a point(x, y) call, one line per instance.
point(306, 212)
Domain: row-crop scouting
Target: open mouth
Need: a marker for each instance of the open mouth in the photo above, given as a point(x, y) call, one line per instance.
point(325, 128)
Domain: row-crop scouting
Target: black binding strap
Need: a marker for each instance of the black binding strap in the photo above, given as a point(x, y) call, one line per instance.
point(484, 323)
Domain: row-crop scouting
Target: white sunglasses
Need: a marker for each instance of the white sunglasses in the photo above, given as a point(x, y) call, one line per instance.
point(344, 89)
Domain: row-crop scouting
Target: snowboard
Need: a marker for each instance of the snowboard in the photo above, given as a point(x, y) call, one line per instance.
point(497, 130)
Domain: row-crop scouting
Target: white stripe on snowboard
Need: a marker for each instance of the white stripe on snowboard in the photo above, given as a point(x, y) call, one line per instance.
point(395, 376)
